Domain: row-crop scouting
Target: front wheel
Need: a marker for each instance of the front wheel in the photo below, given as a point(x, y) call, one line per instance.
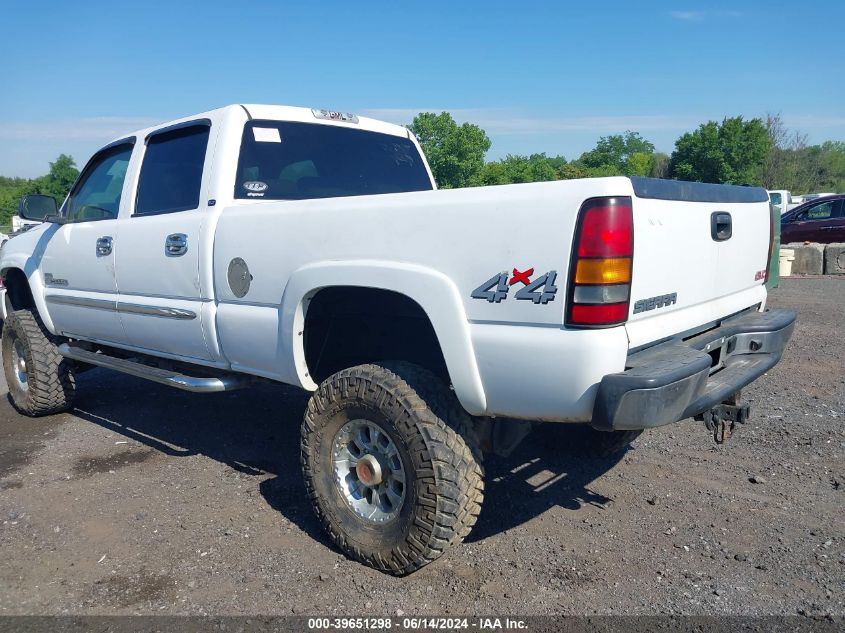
point(40, 381)
point(390, 465)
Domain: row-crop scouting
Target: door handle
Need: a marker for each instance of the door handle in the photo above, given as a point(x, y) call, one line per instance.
point(176, 245)
point(104, 245)
point(721, 226)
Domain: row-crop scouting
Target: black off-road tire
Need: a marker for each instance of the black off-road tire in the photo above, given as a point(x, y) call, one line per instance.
point(442, 463)
point(50, 382)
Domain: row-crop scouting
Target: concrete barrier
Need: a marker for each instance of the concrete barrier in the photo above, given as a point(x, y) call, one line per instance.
point(809, 258)
point(834, 259)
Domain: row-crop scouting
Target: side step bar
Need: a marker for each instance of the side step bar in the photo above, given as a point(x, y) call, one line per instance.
point(197, 384)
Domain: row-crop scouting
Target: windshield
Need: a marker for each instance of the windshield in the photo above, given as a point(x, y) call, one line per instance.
point(298, 161)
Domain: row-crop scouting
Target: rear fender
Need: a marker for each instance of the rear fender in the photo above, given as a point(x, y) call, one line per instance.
point(431, 290)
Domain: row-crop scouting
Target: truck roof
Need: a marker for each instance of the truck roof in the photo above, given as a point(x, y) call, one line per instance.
point(281, 113)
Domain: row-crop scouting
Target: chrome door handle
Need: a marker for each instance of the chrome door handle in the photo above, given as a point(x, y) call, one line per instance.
point(176, 245)
point(104, 245)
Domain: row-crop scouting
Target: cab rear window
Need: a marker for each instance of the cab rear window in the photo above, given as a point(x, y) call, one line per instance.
point(299, 161)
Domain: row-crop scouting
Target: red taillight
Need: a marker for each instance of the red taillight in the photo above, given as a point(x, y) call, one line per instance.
point(600, 271)
point(606, 231)
point(599, 314)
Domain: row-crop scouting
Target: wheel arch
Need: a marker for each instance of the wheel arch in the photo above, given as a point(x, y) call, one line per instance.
point(24, 291)
point(434, 293)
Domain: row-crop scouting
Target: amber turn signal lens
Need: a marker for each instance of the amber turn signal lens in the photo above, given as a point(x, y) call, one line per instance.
point(616, 270)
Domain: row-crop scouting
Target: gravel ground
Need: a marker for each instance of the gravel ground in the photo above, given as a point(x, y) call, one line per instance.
point(150, 500)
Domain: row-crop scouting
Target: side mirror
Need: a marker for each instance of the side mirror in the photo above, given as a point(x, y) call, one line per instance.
point(37, 208)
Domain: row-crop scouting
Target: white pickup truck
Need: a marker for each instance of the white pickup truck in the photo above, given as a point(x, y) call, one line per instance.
point(311, 248)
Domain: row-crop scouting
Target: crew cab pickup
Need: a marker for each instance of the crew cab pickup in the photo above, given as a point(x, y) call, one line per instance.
point(312, 248)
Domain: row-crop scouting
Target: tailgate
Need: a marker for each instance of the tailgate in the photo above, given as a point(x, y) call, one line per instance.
point(700, 254)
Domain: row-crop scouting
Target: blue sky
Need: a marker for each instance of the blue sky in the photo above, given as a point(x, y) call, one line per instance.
point(538, 76)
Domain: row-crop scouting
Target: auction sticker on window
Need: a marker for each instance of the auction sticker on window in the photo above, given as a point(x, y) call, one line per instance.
point(266, 135)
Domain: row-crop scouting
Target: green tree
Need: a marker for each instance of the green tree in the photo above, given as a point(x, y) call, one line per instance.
point(660, 166)
point(11, 190)
point(455, 152)
point(602, 171)
point(59, 179)
point(616, 151)
point(832, 163)
point(570, 171)
point(790, 162)
point(515, 169)
point(639, 164)
point(57, 182)
point(733, 151)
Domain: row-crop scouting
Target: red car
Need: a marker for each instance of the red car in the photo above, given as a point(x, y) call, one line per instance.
point(821, 220)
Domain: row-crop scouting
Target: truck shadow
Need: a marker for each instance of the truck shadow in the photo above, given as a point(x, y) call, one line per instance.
point(548, 469)
point(255, 432)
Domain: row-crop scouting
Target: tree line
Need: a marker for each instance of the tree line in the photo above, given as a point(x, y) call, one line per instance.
point(57, 182)
point(735, 150)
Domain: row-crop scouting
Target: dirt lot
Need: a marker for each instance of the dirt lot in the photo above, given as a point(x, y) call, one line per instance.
point(150, 500)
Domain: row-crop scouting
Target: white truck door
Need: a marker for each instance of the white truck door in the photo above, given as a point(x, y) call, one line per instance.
point(160, 298)
point(78, 263)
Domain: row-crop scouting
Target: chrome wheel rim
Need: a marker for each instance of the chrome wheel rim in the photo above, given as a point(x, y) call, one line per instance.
point(369, 471)
point(19, 365)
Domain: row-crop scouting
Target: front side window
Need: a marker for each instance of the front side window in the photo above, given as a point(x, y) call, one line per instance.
point(821, 211)
point(171, 174)
point(97, 194)
point(298, 161)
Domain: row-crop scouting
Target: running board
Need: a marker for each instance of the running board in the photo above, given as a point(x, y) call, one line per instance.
point(197, 384)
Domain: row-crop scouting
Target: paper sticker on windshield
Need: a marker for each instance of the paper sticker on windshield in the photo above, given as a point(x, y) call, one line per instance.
point(266, 135)
point(255, 186)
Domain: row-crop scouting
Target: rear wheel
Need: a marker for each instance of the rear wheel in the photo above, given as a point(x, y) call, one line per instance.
point(390, 465)
point(40, 380)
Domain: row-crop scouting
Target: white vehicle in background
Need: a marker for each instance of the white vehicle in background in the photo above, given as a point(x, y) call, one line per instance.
point(783, 201)
point(20, 224)
point(312, 248)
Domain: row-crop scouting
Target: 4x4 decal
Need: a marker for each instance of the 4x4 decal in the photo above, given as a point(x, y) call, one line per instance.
point(540, 291)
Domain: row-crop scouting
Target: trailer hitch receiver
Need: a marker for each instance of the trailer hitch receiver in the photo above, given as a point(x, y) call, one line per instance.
point(722, 419)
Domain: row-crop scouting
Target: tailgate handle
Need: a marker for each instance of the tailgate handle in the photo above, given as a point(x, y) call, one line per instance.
point(721, 226)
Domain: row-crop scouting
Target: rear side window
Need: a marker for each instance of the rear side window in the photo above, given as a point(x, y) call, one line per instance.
point(171, 174)
point(297, 161)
